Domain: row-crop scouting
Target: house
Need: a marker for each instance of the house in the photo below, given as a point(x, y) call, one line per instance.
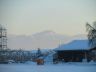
point(75, 51)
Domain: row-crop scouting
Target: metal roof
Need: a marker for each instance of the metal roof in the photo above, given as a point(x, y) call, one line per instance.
point(75, 45)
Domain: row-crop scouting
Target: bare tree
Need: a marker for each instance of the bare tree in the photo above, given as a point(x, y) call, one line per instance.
point(92, 39)
point(91, 34)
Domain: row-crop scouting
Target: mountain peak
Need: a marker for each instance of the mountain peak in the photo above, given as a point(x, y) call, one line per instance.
point(47, 32)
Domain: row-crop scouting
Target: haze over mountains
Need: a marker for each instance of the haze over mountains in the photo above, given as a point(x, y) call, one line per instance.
point(46, 39)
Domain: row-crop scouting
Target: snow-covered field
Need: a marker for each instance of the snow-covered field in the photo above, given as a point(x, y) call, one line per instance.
point(48, 67)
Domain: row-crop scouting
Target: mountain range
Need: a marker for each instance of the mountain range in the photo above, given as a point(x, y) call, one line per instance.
point(43, 40)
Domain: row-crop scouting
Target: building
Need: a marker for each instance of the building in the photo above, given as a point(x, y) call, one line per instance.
point(75, 51)
point(93, 54)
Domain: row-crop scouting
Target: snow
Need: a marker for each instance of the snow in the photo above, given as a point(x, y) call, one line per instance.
point(31, 67)
point(49, 58)
point(75, 45)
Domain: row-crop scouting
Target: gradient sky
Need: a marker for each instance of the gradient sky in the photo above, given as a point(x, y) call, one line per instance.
point(27, 17)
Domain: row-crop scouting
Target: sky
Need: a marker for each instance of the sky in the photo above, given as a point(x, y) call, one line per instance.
point(27, 17)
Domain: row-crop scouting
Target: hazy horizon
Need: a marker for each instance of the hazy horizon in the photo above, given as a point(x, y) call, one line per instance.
point(46, 39)
point(27, 17)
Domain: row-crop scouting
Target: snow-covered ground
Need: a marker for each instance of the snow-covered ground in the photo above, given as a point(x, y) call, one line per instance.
point(30, 67)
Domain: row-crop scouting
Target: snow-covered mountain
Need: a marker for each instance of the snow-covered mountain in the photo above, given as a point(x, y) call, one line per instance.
point(46, 39)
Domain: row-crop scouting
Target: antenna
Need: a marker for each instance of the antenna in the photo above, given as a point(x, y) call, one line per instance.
point(59, 43)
